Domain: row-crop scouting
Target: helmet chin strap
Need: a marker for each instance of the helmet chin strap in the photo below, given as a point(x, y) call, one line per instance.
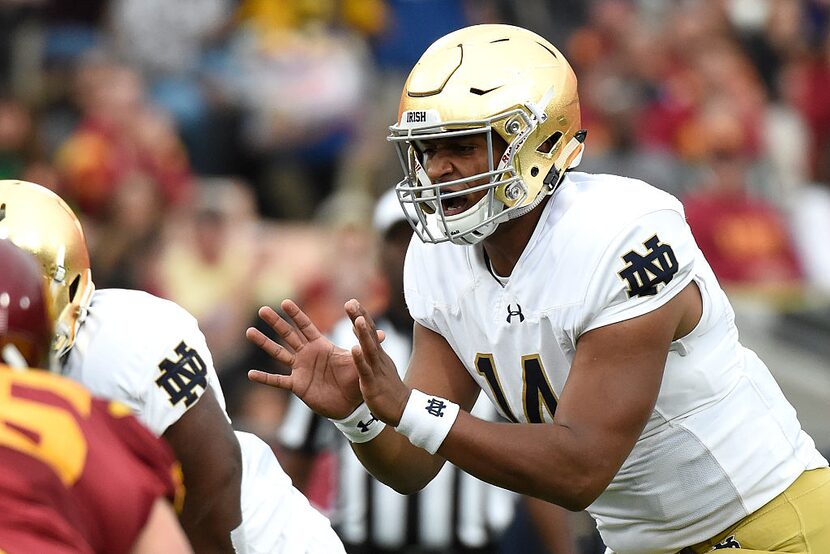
point(525, 209)
point(475, 236)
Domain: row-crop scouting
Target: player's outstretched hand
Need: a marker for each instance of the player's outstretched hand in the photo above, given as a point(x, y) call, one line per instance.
point(322, 375)
point(381, 386)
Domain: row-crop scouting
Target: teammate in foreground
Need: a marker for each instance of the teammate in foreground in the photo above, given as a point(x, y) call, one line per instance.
point(80, 474)
point(583, 308)
point(149, 353)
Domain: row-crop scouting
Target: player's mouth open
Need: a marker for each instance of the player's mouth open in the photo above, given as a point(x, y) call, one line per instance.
point(456, 204)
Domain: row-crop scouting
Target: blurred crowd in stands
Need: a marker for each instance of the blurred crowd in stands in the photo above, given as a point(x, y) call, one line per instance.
point(228, 153)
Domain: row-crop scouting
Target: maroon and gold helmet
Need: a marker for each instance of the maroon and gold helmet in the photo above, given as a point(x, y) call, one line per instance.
point(26, 323)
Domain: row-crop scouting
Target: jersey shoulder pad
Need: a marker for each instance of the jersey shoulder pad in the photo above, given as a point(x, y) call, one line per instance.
point(601, 206)
point(134, 311)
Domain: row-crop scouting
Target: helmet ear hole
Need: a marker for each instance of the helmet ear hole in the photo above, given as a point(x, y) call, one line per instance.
point(534, 171)
point(549, 144)
point(73, 287)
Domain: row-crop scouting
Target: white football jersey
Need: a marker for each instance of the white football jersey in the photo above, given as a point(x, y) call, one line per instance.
point(722, 440)
point(149, 353)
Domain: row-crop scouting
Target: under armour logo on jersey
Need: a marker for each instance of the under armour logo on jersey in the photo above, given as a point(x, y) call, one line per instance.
point(179, 378)
point(364, 427)
point(435, 407)
point(728, 542)
point(511, 313)
point(644, 273)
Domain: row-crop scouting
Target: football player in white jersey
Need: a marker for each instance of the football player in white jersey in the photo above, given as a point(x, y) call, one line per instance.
point(581, 305)
point(455, 513)
point(149, 353)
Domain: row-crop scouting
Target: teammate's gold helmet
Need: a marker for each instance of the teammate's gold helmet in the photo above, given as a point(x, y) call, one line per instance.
point(39, 221)
point(485, 79)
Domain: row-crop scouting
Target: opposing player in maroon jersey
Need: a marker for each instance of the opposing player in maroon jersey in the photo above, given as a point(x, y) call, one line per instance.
point(80, 474)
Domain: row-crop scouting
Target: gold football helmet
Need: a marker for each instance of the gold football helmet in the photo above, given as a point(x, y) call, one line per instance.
point(39, 221)
point(485, 79)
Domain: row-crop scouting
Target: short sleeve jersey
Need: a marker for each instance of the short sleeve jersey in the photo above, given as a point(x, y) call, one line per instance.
point(79, 474)
point(146, 352)
point(608, 249)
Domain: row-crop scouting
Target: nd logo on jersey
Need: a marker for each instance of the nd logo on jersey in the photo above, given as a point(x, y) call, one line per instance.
point(644, 272)
point(180, 377)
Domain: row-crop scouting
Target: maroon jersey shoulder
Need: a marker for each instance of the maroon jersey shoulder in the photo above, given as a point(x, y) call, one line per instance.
point(80, 474)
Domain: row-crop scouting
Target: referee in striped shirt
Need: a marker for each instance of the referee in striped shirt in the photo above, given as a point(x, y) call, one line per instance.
point(455, 513)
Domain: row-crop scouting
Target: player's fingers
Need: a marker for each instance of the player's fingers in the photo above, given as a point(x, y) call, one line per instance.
point(364, 370)
point(355, 309)
point(301, 320)
point(282, 327)
point(269, 347)
point(270, 379)
point(368, 339)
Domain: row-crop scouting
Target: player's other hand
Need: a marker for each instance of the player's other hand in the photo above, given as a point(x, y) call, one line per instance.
point(322, 375)
point(380, 384)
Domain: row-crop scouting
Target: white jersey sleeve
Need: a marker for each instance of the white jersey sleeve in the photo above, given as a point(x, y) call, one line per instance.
point(649, 261)
point(146, 352)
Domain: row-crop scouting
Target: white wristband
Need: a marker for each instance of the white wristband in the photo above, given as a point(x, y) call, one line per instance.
point(360, 425)
point(426, 420)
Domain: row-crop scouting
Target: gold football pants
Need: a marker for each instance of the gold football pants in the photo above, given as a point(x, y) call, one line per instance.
point(795, 521)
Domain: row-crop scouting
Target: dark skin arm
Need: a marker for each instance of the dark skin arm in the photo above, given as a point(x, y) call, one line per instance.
point(551, 525)
point(393, 459)
point(208, 451)
point(610, 393)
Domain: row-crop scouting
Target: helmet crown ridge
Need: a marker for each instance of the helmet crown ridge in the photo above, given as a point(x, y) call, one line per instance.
point(487, 71)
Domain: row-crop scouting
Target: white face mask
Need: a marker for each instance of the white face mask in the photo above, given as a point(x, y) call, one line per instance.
point(478, 221)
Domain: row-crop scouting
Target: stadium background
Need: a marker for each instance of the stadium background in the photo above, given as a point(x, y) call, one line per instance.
point(227, 153)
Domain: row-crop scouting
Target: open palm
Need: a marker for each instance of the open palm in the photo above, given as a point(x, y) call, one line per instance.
point(322, 375)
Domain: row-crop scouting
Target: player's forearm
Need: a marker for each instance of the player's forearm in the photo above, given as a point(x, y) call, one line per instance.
point(392, 459)
point(547, 461)
point(211, 460)
point(552, 525)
